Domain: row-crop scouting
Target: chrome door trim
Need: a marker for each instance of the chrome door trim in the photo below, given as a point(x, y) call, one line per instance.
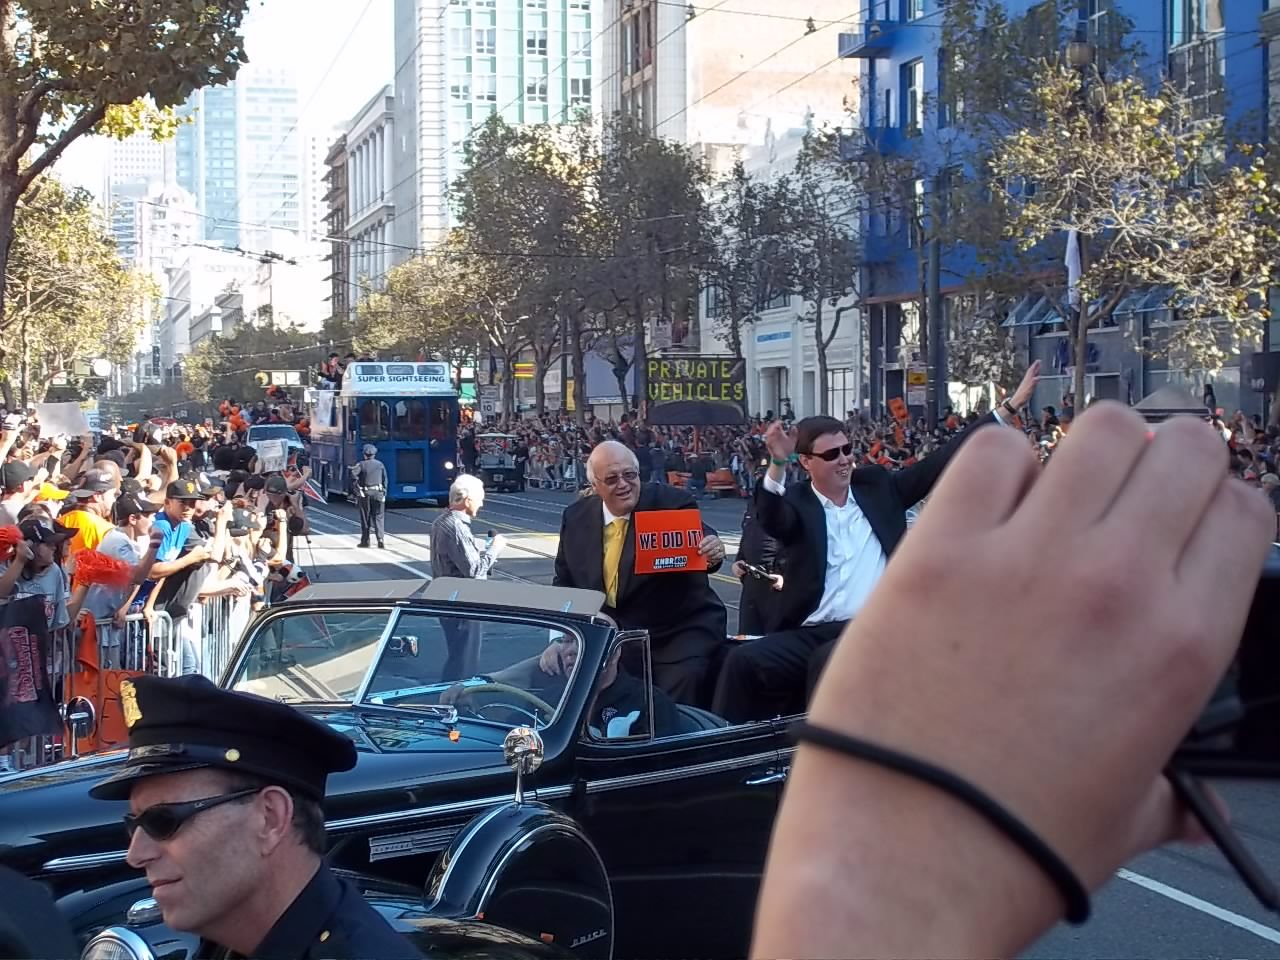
point(462, 806)
point(680, 773)
point(84, 861)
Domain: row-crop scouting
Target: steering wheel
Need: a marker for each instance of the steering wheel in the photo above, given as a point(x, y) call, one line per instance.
point(494, 687)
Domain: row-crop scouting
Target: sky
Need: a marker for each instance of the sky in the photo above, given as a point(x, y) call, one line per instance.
point(341, 53)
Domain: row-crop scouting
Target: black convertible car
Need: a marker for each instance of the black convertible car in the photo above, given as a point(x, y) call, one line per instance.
point(632, 826)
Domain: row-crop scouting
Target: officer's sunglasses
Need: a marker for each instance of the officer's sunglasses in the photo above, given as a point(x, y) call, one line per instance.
point(162, 820)
point(831, 455)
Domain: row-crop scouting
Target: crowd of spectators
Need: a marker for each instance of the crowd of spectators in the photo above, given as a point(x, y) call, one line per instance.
point(550, 450)
point(178, 515)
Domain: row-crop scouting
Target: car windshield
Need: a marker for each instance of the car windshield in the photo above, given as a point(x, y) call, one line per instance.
point(273, 432)
point(492, 670)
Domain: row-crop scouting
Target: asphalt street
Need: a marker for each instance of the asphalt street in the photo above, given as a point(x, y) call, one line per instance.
point(1174, 903)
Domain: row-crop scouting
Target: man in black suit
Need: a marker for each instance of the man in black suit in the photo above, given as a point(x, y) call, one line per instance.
point(837, 530)
point(685, 619)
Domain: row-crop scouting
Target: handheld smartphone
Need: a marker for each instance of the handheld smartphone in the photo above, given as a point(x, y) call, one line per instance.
point(759, 573)
point(1238, 734)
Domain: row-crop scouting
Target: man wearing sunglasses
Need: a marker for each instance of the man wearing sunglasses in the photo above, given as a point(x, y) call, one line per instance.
point(837, 530)
point(225, 817)
point(597, 551)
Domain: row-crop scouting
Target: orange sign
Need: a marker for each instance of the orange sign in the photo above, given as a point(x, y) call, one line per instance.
point(667, 541)
point(899, 409)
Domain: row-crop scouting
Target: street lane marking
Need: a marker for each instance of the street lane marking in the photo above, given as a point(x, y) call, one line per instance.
point(1204, 906)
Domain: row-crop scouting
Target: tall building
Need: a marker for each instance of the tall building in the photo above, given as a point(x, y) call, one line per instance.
point(723, 80)
point(336, 200)
point(132, 159)
point(150, 221)
point(742, 82)
point(315, 171)
point(369, 140)
point(458, 62)
point(1211, 49)
point(241, 156)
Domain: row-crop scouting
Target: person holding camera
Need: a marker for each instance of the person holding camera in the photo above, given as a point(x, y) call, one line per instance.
point(1008, 748)
point(757, 567)
point(369, 478)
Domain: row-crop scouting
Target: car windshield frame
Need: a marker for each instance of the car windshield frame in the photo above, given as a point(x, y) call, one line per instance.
point(234, 672)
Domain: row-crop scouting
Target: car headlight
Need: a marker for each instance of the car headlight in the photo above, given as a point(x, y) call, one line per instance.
point(448, 464)
point(117, 943)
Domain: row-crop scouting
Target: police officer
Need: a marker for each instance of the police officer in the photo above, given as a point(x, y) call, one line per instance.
point(370, 479)
point(225, 817)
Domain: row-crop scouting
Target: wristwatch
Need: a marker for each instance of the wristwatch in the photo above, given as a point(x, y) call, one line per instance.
point(1008, 406)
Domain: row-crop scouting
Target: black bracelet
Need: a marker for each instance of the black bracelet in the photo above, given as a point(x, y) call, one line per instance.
point(1062, 876)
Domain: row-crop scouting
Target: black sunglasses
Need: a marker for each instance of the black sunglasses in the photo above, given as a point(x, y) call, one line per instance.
point(162, 820)
point(833, 453)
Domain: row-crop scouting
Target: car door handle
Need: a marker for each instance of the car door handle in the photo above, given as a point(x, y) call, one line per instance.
point(768, 777)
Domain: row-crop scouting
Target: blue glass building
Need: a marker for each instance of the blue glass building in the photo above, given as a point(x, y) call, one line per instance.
point(1212, 49)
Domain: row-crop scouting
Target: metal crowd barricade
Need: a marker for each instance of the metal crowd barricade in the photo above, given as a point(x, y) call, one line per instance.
point(146, 645)
point(221, 623)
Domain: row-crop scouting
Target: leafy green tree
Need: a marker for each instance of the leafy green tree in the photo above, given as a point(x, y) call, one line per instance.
point(820, 254)
point(1158, 205)
point(71, 296)
point(226, 366)
point(748, 221)
point(650, 201)
point(73, 67)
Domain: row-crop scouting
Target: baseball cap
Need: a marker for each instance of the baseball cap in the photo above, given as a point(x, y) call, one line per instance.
point(116, 456)
point(242, 521)
point(129, 504)
point(276, 484)
point(43, 530)
point(183, 490)
point(94, 481)
point(15, 474)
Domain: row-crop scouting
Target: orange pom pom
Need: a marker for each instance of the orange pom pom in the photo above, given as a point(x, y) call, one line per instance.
point(94, 568)
point(9, 537)
point(184, 450)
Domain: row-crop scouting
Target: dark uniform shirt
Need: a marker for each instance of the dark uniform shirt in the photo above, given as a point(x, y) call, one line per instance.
point(331, 920)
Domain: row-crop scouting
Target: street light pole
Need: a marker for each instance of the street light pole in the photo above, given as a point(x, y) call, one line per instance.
point(1080, 56)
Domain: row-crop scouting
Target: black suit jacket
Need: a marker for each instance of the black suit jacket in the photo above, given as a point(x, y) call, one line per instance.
point(682, 613)
point(796, 519)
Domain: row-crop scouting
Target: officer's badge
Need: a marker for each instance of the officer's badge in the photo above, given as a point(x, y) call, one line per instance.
point(129, 703)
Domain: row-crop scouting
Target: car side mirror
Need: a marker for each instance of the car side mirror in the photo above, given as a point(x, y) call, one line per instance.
point(405, 645)
point(81, 719)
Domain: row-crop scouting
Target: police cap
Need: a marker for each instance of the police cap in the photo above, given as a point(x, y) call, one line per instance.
point(188, 723)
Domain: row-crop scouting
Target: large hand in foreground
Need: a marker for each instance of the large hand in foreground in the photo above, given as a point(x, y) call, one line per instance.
point(1064, 707)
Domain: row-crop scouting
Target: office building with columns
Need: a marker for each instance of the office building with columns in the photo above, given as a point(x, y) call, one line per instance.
point(368, 230)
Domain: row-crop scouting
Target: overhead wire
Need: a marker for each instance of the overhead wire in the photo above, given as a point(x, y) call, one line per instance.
point(262, 169)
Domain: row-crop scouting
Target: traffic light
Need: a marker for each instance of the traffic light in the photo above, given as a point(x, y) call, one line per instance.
point(155, 359)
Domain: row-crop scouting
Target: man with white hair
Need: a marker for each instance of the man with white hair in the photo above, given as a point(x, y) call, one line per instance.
point(455, 553)
point(684, 617)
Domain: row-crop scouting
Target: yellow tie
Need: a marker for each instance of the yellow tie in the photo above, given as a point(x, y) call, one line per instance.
point(614, 536)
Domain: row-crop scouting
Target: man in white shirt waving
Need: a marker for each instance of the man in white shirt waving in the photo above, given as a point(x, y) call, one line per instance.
point(837, 530)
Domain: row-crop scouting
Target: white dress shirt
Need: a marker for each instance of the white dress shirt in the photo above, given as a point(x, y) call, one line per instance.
point(855, 559)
